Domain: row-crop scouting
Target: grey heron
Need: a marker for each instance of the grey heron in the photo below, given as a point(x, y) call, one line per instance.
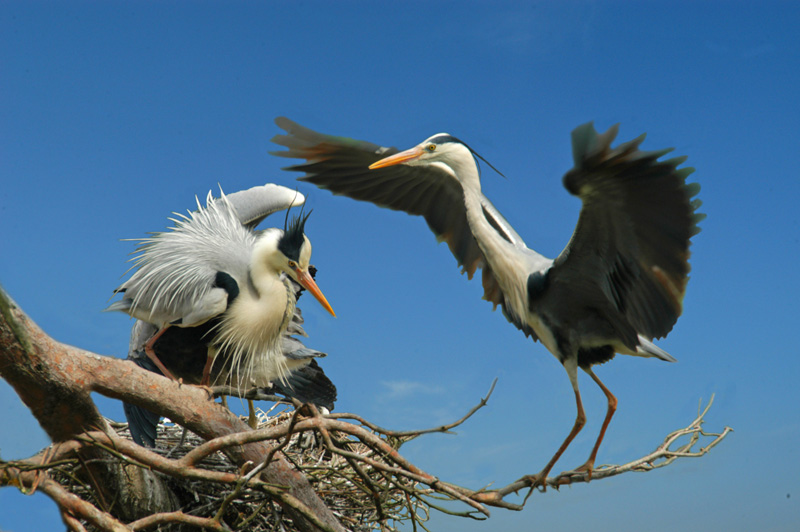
point(617, 285)
point(214, 284)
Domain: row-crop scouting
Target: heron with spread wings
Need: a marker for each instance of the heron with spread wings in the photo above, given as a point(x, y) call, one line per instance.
point(617, 285)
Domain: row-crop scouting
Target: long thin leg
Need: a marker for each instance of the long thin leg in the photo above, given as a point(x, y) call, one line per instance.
point(212, 354)
point(580, 420)
point(612, 407)
point(151, 354)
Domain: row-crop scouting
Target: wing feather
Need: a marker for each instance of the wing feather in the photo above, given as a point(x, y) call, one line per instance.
point(341, 165)
point(256, 203)
point(629, 253)
point(176, 270)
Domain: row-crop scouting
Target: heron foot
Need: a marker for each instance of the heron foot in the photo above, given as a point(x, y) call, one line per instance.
point(207, 389)
point(585, 469)
point(537, 481)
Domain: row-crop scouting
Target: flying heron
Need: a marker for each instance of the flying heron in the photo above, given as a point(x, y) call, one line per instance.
point(619, 282)
point(215, 284)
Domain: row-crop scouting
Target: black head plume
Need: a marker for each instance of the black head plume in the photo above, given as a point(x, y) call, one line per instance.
point(293, 235)
point(478, 155)
point(441, 139)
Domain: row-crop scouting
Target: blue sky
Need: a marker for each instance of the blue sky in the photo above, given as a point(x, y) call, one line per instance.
point(114, 114)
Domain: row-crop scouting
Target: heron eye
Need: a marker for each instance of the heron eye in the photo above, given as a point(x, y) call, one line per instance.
point(292, 264)
point(431, 147)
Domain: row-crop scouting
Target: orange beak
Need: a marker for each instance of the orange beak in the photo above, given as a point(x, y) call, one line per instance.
point(398, 158)
point(307, 282)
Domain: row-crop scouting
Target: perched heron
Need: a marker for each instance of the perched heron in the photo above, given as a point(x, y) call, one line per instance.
point(215, 284)
point(618, 283)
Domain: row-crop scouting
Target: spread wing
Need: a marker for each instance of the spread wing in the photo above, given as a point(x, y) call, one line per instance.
point(341, 165)
point(629, 254)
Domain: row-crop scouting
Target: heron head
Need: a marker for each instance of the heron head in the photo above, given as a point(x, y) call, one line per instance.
point(294, 257)
point(443, 151)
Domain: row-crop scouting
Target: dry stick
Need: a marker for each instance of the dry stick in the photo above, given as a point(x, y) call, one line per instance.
point(375, 444)
point(490, 497)
point(44, 372)
point(245, 480)
point(163, 518)
point(369, 486)
point(414, 433)
point(72, 524)
point(645, 463)
point(76, 507)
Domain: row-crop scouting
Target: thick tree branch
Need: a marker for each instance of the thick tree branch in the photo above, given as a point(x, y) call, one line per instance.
point(55, 381)
point(355, 466)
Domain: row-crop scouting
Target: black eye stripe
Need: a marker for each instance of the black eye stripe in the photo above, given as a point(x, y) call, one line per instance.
point(444, 139)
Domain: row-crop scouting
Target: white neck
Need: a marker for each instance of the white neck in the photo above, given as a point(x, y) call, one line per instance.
point(511, 261)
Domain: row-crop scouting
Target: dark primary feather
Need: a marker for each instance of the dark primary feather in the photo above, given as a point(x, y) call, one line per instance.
point(629, 252)
point(142, 423)
point(308, 384)
point(341, 165)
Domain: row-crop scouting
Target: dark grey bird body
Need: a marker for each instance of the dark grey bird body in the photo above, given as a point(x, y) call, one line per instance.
point(616, 286)
point(184, 352)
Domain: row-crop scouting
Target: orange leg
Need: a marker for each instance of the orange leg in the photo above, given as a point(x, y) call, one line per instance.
point(612, 407)
point(212, 354)
point(148, 349)
point(540, 478)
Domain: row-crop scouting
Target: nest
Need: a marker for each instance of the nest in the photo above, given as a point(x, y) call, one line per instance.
point(362, 497)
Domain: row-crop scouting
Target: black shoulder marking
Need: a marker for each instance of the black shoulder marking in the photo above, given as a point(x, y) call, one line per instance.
point(226, 282)
point(537, 284)
point(293, 237)
point(497, 227)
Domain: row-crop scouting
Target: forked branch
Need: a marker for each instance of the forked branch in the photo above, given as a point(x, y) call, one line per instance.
point(353, 476)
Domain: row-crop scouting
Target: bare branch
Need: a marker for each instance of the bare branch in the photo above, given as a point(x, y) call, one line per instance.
point(352, 477)
point(55, 381)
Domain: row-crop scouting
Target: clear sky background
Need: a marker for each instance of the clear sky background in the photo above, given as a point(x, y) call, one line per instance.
point(114, 114)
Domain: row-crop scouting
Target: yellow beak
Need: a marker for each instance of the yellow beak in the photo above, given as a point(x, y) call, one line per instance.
point(307, 282)
point(398, 158)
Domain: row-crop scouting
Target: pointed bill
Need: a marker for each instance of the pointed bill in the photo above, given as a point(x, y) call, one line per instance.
point(398, 158)
point(307, 282)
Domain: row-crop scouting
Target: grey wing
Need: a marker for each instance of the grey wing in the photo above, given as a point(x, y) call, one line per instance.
point(142, 423)
point(255, 204)
point(341, 165)
point(184, 276)
point(629, 254)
